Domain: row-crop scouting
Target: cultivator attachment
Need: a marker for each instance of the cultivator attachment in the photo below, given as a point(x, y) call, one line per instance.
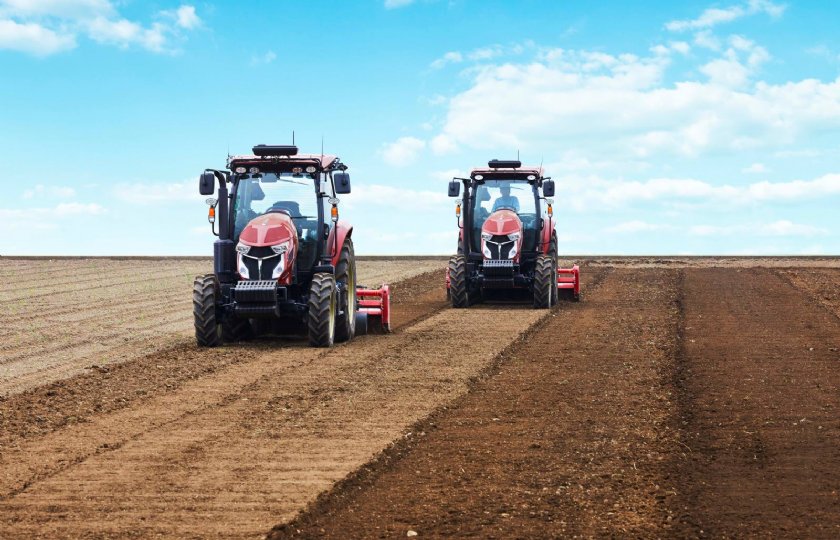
point(568, 282)
point(374, 315)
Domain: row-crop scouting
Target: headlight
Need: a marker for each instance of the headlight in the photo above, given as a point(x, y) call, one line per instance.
point(280, 248)
point(242, 248)
point(514, 236)
point(243, 270)
point(513, 251)
point(486, 236)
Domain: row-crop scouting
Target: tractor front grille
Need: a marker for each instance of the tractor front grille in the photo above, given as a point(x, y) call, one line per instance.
point(499, 246)
point(261, 262)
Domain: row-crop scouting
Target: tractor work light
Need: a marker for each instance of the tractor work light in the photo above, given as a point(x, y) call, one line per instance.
point(479, 177)
point(253, 170)
point(310, 169)
point(297, 170)
point(240, 170)
point(531, 177)
point(270, 150)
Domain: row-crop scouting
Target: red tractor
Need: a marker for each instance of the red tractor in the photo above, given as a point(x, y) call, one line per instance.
point(284, 262)
point(507, 238)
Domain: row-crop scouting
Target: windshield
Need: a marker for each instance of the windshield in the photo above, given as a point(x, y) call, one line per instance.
point(503, 194)
point(258, 194)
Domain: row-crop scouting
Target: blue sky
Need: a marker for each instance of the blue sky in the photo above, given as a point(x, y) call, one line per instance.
point(670, 128)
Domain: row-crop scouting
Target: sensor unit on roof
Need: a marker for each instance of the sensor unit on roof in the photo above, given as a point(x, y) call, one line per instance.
point(504, 164)
point(265, 150)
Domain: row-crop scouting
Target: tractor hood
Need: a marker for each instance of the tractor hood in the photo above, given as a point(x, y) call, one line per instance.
point(502, 222)
point(269, 230)
point(501, 236)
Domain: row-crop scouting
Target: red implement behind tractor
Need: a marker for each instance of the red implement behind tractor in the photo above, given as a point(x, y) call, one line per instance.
point(284, 261)
point(507, 237)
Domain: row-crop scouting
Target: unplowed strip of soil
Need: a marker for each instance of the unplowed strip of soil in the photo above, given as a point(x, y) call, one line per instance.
point(569, 437)
point(107, 388)
point(821, 284)
point(61, 316)
point(760, 400)
point(233, 452)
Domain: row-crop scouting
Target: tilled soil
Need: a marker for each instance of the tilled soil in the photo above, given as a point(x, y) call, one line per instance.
point(566, 439)
point(62, 316)
point(677, 403)
point(679, 399)
point(760, 397)
point(230, 453)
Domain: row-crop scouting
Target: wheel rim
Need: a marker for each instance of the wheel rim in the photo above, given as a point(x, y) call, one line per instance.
point(351, 296)
point(332, 315)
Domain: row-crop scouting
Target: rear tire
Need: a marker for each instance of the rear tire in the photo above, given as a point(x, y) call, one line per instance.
point(544, 289)
point(322, 310)
point(208, 332)
point(458, 281)
point(345, 271)
point(552, 252)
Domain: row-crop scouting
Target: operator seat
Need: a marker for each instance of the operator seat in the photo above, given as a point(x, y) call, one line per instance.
point(291, 207)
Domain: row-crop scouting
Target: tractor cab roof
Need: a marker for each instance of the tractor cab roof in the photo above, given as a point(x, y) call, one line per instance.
point(497, 169)
point(284, 158)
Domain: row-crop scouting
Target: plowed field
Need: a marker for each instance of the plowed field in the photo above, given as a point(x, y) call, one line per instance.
point(679, 398)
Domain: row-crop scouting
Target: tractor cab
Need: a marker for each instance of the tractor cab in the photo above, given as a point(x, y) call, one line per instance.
point(507, 237)
point(284, 259)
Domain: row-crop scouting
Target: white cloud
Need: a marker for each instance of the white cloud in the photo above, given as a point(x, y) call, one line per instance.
point(267, 58)
point(393, 4)
point(43, 218)
point(635, 226)
point(367, 195)
point(43, 27)
point(755, 168)
point(714, 16)
point(173, 192)
point(452, 57)
point(187, 18)
point(41, 191)
point(570, 97)
point(403, 151)
point(32, 38)
point(776, 228)
point(595, 192)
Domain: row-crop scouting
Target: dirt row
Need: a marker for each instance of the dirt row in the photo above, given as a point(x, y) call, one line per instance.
point(60, 317)
point(681, 403)
point(232, 452)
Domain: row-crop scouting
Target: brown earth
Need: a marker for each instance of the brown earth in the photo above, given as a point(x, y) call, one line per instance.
point(681, 398)
point(61, 316)
point(680, 403)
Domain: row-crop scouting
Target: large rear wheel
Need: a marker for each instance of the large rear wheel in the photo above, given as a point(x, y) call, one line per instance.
point(322, 310)
point(545, 282)
point(345, 272)
point(208, 332)
point(458, 281)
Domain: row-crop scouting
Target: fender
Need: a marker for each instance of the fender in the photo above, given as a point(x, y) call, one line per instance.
point(546, 233)
point(344, 231)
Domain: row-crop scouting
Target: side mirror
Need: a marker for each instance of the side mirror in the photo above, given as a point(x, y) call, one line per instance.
point(548, 188)
point(454, 188)
point(342, 183)
point(207, 183)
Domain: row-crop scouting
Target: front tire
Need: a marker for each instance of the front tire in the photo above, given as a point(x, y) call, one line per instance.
point(345, 271)
point(322, 310)
point(208, 332)
point(458, 281)
point(545, 282)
